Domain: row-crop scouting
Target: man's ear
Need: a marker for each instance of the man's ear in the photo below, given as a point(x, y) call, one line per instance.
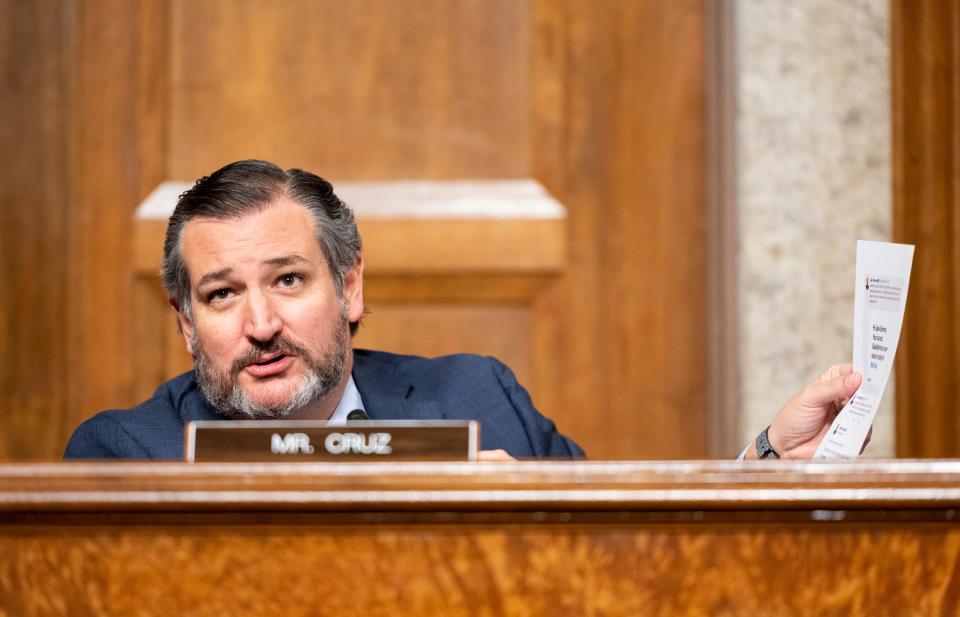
point(184, 324)
point(353, 291)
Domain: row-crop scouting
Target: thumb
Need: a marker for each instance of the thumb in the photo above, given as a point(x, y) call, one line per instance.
point(831, 386)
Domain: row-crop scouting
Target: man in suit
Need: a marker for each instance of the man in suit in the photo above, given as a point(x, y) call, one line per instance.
point(264, 270)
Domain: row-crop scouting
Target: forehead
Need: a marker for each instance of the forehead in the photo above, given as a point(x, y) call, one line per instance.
point(279, 229)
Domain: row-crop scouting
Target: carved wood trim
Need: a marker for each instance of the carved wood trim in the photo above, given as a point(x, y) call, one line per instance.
point(925, 39)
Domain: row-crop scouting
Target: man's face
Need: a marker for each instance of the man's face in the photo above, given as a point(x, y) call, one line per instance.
point(268, 331)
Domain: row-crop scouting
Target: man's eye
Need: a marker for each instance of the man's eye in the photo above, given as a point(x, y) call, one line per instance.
point(218, 294)
point(289, 280)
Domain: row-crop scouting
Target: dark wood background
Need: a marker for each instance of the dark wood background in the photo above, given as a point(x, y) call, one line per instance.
point(925, 39)
point(602, 102)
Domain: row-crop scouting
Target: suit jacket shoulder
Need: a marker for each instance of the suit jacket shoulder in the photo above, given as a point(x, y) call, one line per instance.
point(460, 387)
point(151, 430)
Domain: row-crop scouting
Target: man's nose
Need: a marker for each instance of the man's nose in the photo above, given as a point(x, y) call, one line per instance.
point(262, 321)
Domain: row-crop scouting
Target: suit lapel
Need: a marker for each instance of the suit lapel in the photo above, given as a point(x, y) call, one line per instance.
point(387, 391)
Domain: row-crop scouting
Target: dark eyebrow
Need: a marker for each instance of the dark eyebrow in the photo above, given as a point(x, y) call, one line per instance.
point(219, 275)
point(214, 276)
point(287, 260)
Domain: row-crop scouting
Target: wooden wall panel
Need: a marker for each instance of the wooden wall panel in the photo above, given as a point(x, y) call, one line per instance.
point(146, 302)
point(617, 115)
point(433, 329)
point(84, 106)
point(619, 138)
point(926, 212)
point(357, 90)
point(116, 126)
point(35, 62)
point(602, 102)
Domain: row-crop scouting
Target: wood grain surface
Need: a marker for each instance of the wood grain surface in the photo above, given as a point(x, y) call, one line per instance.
point(361, 90)
point(601, 102)
point(34, 228)
point(402, 570)
point(875, 538)
point(83, 127)
point(925, 40)
point(619, 138)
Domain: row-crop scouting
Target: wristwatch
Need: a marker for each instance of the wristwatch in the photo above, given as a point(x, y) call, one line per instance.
point(764, 449)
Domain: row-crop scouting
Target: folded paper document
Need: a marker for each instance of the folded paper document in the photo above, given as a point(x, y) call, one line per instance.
point(883, 277)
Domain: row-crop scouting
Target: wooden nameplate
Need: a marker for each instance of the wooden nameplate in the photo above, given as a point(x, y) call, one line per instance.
point(285, 441)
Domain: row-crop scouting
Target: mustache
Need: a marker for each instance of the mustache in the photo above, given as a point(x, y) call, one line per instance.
point(278, 344)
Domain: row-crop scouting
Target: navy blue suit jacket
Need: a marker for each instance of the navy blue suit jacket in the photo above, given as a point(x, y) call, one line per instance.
point(393, 387)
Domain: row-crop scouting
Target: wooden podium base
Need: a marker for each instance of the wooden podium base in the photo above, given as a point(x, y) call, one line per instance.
point(529, 538)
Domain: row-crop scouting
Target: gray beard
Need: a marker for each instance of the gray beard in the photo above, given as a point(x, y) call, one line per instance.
point(323, 374)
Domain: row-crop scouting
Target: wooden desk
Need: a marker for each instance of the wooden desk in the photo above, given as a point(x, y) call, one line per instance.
point(537, 538)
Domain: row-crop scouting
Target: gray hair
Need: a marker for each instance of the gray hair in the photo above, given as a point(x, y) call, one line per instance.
point(246, 186)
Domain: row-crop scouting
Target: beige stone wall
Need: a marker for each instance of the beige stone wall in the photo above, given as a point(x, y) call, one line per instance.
point(813, 160)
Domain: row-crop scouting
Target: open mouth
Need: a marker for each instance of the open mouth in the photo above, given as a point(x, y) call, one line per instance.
point(271, 360)
point(270, 365)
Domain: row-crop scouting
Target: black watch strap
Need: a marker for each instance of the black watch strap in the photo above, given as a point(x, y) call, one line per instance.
point(764, 449)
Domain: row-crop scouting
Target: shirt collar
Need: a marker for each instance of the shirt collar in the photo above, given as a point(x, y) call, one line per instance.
point(348, 402)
